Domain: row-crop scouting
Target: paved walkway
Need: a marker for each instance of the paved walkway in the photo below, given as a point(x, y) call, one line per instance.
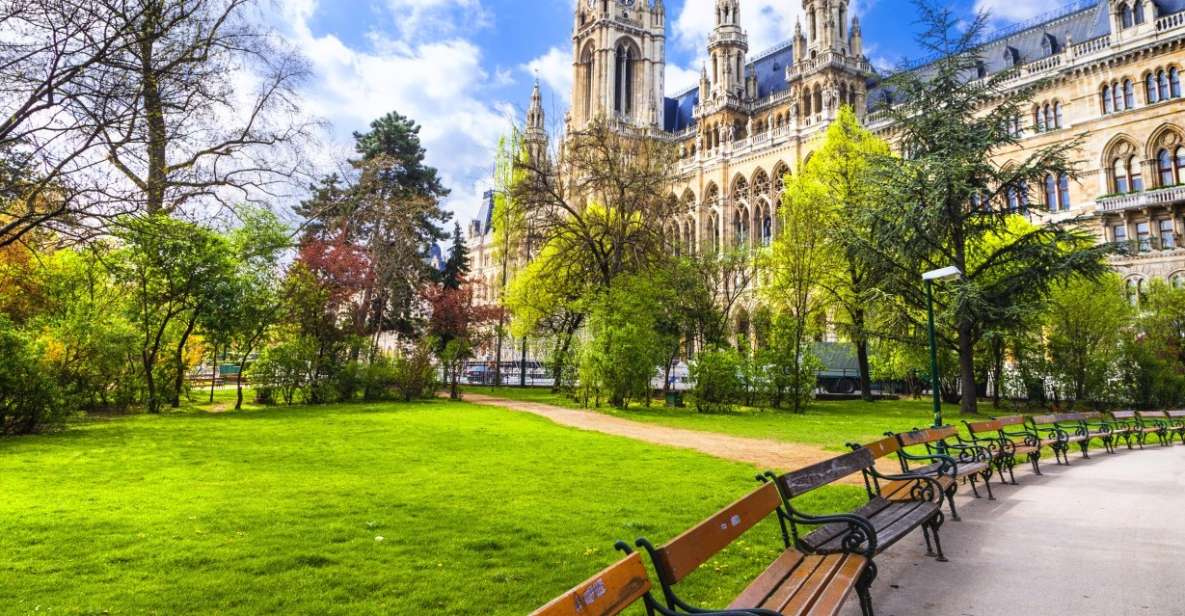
point(762, 453)
point(1102, 536)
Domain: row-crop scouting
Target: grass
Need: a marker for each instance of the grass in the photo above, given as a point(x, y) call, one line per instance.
point(479, 510)
point(830, 425)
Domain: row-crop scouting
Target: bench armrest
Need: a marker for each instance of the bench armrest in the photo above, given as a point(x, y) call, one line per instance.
point(947, 466)
point(971, 453)
point(926, 487)
point(860, 531)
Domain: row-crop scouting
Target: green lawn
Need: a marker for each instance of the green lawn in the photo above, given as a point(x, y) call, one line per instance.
point(827, 424)
point(479, 511)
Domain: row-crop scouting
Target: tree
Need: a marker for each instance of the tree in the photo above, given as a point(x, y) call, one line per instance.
point(1085, 322)
point(509, 228)
point(844, 168)
point(458, 328)
point(800, 258)
point(176, 122)
point(386, 210)
point(50, 55)
point(456, 267)
point(602, 201)
point(254, 297)
point(169, 268)
point(624, 345)
point(946, 194)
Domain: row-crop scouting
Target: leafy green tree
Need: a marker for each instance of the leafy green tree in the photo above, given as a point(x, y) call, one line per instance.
point(30, 400)
point(624, 347)
point(946, 194)
point(510, 233)
point(845, 169)
point(1085, 327)
point(799, 260)
point(717, 382)
point(169, 268)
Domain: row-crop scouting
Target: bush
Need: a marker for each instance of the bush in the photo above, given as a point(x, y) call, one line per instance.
point(716, 373)
point(415, 375)
point(30, 400)
point(379, 380)
point(282, 369)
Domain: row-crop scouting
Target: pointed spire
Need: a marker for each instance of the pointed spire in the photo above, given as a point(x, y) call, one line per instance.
point(535, 117)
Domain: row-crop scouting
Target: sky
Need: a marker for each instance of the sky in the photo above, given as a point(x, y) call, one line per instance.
point(463, 69)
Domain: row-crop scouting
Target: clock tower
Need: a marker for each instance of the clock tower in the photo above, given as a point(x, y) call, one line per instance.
point(619, 60)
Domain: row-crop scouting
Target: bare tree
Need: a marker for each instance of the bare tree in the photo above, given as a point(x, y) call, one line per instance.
point(48, 50)
point(198, 103)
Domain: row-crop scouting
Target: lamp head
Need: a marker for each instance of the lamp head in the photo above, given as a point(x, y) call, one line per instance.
point(946, 273)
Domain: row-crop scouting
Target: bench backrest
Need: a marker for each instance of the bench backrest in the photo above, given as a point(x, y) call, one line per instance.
point(980, 427)
point(1012, 420)
point(685, 553)
point(607, 593)
point(922, 437)
point(1123, 415)
point(1044, 420)
point(1069, 417)
point(1176, 414)
point(1152, 414)
point(1091, 416)
point(804, 480)
point(883, 447)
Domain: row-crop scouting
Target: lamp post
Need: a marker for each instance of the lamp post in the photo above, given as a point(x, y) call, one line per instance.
point(947, 273)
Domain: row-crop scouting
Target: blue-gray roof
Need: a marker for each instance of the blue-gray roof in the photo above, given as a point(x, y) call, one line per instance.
point(485, 215)
point(1078, 22)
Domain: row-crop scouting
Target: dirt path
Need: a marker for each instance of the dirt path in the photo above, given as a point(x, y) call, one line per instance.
point(764, 454)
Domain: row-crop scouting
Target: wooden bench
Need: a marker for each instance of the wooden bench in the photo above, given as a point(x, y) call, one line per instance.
point(1094, 425)
point(794, 584)
point(613, 591)
point(1176, 424)
point(1155, 422)
point(904, 487)
point(1065, 430)
point(945, 449)
point(891, 520)
point(1130, 426)
point(1009, 448)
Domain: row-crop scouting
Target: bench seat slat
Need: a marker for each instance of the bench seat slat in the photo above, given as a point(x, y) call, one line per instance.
point(834, 595)
point(770, 580)
point(891, 520)
point(805, 596)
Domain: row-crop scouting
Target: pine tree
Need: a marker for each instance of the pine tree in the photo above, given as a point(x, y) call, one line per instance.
point(457, 266)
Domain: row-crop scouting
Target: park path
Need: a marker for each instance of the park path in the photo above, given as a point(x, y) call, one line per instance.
point(762, 453)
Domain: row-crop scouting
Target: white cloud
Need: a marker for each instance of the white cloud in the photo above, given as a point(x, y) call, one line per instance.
point(679, 79)
point(554, 69)
point(435, 82)
point(1011, 10)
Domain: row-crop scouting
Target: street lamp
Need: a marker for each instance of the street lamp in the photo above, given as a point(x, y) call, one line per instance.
point(946, 273)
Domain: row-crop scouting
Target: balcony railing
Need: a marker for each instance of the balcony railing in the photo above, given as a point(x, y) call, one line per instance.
point(1131, 248)
point(1163, 196)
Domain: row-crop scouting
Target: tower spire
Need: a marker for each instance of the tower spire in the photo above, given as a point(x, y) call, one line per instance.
point(535, 137)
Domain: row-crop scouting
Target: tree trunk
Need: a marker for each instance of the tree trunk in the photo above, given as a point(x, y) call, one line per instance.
point(998, 369)
point(968, 404)
point(213, 373)
point(179, 361)
point(148, 359)
point(862, 364)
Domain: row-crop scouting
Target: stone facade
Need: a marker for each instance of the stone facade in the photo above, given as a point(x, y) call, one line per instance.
point(1108, 71)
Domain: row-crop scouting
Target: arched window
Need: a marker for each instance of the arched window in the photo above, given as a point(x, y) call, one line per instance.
point(1039, 119)
point(1181, 165)
point(1050, 193)
point(1152, 91)
point(1175, 82)
point(1108, 105)
point(1018, 198)
point(623, 98)
point(1050, 121)
point(1063, 189)
point(1178, 280)
point(1163, 79)
point(1137, 175)
point(1121, 179)
point(1128, 18)
point(1139, 12)
point(1164, 166)
point(1058, 120)
point(1129, 94)
point(1117, 96)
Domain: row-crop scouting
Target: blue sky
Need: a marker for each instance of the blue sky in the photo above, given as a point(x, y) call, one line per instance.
point(463, 68)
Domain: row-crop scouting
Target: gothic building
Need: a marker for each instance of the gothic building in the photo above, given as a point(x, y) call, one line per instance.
point(1108, 70)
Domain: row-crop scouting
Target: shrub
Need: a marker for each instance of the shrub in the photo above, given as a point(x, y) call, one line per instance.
point(379, 380)
point(717, 380)
point(30, 400)
point(414, 374)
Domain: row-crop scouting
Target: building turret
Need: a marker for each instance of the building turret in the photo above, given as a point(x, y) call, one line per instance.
point(857, 40)
point(535, 136)
point(727, 46)
point(619, 57)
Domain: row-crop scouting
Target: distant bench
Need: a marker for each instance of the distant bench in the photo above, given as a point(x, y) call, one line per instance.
point(946, 451)
point(1073, 429)
point(1008, 447)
